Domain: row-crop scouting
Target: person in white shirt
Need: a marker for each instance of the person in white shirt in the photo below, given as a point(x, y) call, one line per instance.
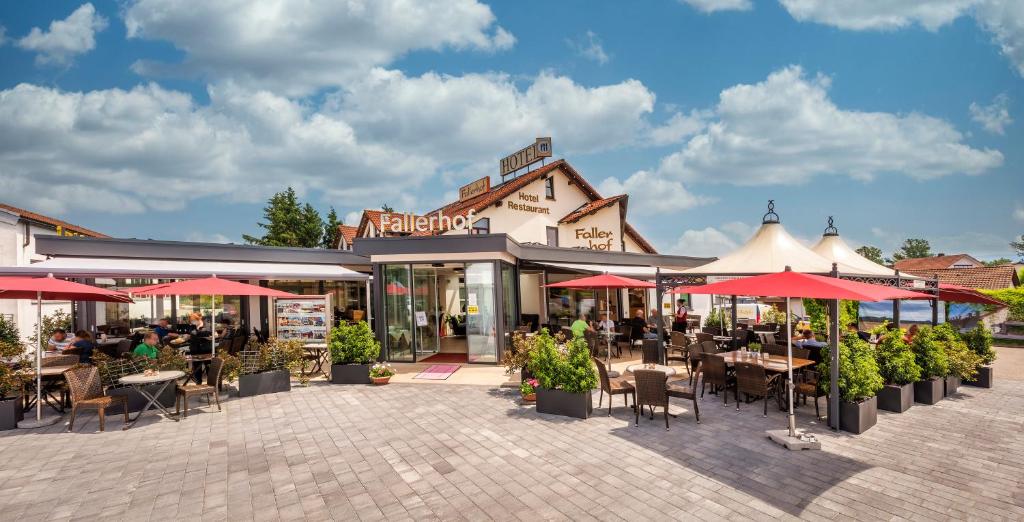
point(605, 324)
point(58, 341)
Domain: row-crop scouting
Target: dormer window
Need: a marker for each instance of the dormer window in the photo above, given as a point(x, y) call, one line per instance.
point(549, 187)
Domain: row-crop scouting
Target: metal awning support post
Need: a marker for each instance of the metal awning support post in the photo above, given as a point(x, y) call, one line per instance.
point(833, 341)
point(896, 304)
point(935, 304)
point(732, 328)
point(659, 292)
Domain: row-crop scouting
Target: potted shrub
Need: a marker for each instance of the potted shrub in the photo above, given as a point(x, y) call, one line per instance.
point(565, 380)
point(267, 368)
point(899, 370)
point(963, 362)
point(381, 373)
point(353, 348)
point(11, 349)
point(528, 390)
point(930, 356)
point(979, 340)
point(518, 358)
point(859, 381)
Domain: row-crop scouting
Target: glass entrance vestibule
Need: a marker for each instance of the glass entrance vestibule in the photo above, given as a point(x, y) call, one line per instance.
point(446, 312)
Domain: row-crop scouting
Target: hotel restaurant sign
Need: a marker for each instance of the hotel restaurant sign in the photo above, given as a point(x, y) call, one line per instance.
point(529, 155)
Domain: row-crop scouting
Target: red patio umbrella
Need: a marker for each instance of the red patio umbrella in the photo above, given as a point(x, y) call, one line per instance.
point(962, 294)
point(791, 284)
point(52, 289)
point(211, 286)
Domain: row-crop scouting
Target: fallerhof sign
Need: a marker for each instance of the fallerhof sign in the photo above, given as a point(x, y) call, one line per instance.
point(475, 188)
point(539, 150)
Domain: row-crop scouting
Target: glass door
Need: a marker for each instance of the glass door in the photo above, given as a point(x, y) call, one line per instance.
point(398, 313)
point(481, 322)
point(425, 311)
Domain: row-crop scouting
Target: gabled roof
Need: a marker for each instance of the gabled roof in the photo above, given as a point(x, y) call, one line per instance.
point(932, 263)
point(348, 233)
point(39, 218)
point(592, 207)
point(988, 277)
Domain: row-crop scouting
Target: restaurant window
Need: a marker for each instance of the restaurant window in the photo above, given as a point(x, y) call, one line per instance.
point(552, 236)
point(549, 188)
point(638, 301)
point(481, 226)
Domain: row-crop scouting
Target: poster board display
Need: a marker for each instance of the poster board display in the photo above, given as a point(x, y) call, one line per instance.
point(307, 318)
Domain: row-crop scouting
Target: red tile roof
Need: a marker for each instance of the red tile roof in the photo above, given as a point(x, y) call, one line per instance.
point(932, 263)
point(348, 233)
point(39, 218)
point(990, 277)
point(592, 207)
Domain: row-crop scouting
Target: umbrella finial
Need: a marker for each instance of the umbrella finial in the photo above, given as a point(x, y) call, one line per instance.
point(50, 275)
point(789, 268)
point(830, 230)
point(770, 216)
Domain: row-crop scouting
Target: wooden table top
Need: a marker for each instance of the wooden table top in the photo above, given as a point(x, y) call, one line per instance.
point(776, 363)
point(46, 371)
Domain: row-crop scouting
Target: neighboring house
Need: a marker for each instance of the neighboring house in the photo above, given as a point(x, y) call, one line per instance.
point(346, 234)
point(938, 262)
point(18, 231)
point(980, 277)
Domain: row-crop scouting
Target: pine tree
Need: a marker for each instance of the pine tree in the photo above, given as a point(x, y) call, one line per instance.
point(331, 224)
point(913, 248)
point(288, 223)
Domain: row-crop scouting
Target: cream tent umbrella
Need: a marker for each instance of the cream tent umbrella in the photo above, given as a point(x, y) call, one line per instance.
point(833, 248)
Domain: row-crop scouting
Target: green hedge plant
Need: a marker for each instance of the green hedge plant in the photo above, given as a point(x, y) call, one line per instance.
point(353, 344)
point(578, 374)
point(962, 361)
point(896, 361)
point(569, 369)
point(929, 355)
point(545, 359)
point(859, 378)
point(979, 340)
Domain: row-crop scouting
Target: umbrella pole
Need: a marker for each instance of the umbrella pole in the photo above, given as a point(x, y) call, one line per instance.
point(39, 357)
point(608, 315)
point(789, 371)
point(213, 325)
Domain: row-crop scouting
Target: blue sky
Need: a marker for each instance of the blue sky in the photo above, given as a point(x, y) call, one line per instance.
point(143, 119)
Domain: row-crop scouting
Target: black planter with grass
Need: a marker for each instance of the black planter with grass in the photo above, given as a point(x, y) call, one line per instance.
point(266, 382)
point(896, 398)
point(10, 413)
point(952, 383)
point(929, 391)
point(983, 379)
point(856, 417)
point(350, 374)
point(558, 402)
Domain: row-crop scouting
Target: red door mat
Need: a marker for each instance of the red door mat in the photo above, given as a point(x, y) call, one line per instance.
point(437, 372)
point(451, 358)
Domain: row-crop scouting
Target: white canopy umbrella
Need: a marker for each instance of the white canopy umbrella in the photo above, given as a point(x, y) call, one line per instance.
point(834, 249)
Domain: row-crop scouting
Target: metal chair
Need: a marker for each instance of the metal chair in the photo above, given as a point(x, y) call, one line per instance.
point(87, 392)
point(753, 381)
point(625, 340)
point(651, 390)
point(613, 388)
point(184, 392)
point(678, 350)
point(774, 349)
point(806, 384)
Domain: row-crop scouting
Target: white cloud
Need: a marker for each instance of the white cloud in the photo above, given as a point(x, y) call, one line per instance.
point(995, 117)
point(786, 130)
point(650, 194)
point(710, 6)
point(679, 127)
point(1018, 212)
point(589, 46)
point(712, 241)
point(1005, 20)
point(296, 50)
point(66, 38)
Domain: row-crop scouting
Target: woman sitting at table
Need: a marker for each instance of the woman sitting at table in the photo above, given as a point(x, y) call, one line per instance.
point(150, 347)
point(83, 342)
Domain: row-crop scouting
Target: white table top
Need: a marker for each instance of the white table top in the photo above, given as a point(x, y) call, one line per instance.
point(670, 371)
point(141, 378)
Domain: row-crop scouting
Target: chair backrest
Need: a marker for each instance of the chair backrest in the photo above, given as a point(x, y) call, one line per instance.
point(802, 353)
point(702, 336)
point(591, 338)
point(708, 347)
point(750, 378)
point(679, 339)
point(213, 374)
point(650, 351)
point(714, 369)
point(84, 383)
point(773, 349)
point(766, 338)
point(627, 332)
point(602, 373)
point(124, 346)
point(59, 360)
point(650, 386)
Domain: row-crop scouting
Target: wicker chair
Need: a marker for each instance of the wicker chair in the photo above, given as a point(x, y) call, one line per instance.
point(591, 337)
point(678, 350)
point(766, 338)
point(806, 385)
point(774, 349)
point(753, 381)
point(716, 375)
point(212, 386)
point(613, 388)
point(801, 353)
point(624, 340)
point(651, 390)
point(709, 347)
point(87, 392)
point(651, 353)
point(59, 360)
point(702, 336)
point(687, 390)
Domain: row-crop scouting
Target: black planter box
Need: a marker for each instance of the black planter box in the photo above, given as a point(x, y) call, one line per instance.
point(266, 382)
point(856, 417)
point(558, 402)
point(929, 391)
point(10, 413)
point(894, 397)
point(952, 383)
point(136, 401)
point(983, 379)
point(350, 374)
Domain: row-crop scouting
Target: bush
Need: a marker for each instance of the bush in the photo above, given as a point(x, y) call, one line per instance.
point(896, 361)
point(57, 320)
point(929, 355)
point(13, 351)
point(545, 359)
point(382, 370)
point(275, 354)
point(519, 356)
point(353, 344)
point(858, 371)
point(232, 366)
point(1014, 299)
point(571, 371)
point(962, 361)
point(9, 332)
point(578, 375)
point(718, 319)
point(979, 340)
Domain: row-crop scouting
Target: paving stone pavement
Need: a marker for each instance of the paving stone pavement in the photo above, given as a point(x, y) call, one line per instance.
point(429, 452)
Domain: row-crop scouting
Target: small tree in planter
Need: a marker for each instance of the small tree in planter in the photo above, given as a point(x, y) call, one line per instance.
point(930, 356)
point(859, 381)
point(899, 370)
point(566, 381)
point(267, 368)
point(353, 349)
point(963, 362)
point(518, 358)
point(718, 320)
point(11, 382)
point(979, 340)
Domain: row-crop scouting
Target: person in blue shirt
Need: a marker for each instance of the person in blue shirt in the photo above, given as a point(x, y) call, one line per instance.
point(163, 330)
point(83, 341)
point(809, 341)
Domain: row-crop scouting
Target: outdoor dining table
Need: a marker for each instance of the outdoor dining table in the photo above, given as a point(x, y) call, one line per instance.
point(773, 363)
point(140, 380)
point(52, 375)
point(668, 370)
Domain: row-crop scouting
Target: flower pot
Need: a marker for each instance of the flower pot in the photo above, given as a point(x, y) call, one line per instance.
point(929, 391)
point(380, 381)
point(266, 382)
point(983, 379)
point(136, 401)
point(10, 413)
point(558, 402)
point(895, 397)
point(952, 383)
point(350, 374)
point(530, 397)
point(856, 417)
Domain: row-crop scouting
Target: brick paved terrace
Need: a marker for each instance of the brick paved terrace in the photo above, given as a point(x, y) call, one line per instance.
point(463, 452)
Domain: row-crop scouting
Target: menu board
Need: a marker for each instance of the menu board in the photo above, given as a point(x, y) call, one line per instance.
point(307, 318)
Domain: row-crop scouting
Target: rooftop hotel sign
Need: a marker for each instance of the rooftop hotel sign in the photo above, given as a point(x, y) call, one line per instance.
point(439, 221)
point(539, 150)
point(475, 188)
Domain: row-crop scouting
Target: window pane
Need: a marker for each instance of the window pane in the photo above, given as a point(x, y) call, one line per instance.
point(398, 312)
point(480, 318)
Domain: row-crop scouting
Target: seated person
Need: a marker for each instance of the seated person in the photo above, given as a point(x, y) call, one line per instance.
point(854, 329)
point(83, 341)
point(163, 329)
point(149, 348)
point(640, 330)
point(58, 341)
point(580, 326)
point(605, 324)
point(809, 341)
point(911, 333)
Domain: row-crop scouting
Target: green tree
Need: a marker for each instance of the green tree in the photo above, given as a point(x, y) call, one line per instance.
point(330, 239)
point(1018, 247)
point(289, 223)
point(9, 332)
point(912, 248)
point(859, 377)
point(896, 361)
point(998, 262)
point(59, 319)
point(386, 208)
point(872, 253)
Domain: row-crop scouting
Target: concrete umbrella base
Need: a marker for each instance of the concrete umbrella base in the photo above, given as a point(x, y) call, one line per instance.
point(32, 423)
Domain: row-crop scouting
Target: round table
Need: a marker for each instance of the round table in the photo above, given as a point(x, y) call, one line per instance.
point(140, 380)
point(669, 371)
